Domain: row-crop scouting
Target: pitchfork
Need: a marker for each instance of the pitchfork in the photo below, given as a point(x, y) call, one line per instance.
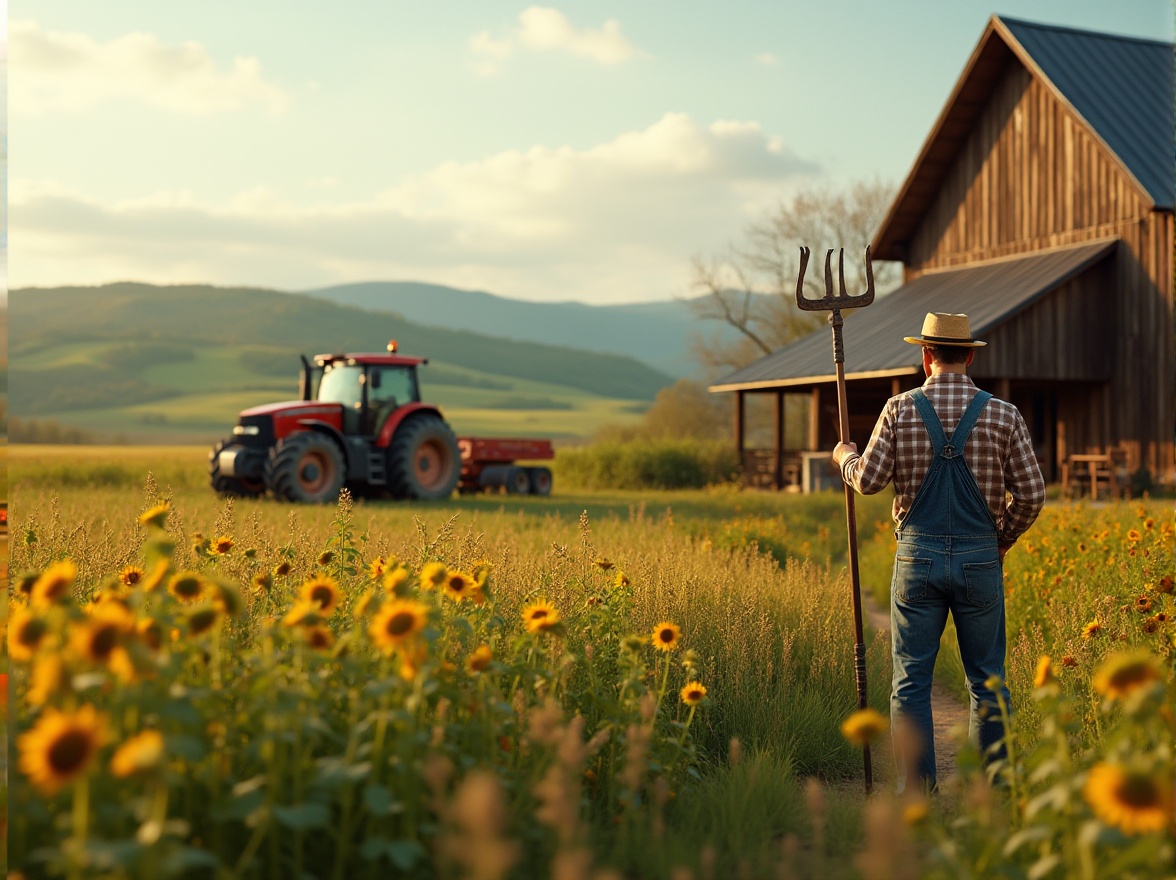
point(835, 304)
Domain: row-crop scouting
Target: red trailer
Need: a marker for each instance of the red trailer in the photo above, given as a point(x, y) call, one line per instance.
point(492, 463)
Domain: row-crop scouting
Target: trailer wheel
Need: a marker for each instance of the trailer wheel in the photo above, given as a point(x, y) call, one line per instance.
point(540, 480)
point(423, 460)
point(513, 479)
point(306, 466)
point(230, 486)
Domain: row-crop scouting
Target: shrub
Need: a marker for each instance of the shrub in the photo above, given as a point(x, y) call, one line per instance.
point(647, 464)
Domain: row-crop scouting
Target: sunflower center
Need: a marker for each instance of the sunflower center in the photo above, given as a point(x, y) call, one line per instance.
point(55, 588)
point(400, 623)
point(187, 587)
point(1138, 790)
point(539, 614)
point(456, 585)
point(322, 595)
point(104, 641)
point(69, 752)
point(29, 635)
point(666, 635)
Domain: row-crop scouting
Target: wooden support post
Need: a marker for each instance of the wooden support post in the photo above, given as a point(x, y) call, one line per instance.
point(778, 467)
point(814, 420)
point(739, 426)
point(895, 387)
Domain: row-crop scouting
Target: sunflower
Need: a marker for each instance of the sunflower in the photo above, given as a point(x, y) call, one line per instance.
point(540, 616)
point(396, 581)
point(61, 746)
point(131, 575)
point(102, 634)
point(602, 563)
point(319, 637)
point(665, 636)
point(481, 573)
point(150, 633)
point(187, 586)
point(1166, 583)
point(1126, 673)
point(281, 569)
point(49, 677)
point(1149, 523)
point(433, 575)
point(222, 545)
point(397, 622)
point(377, 567)
point(1044, 675)
point(25, 633)
point(459, 585)
point(202, 620)
point(262, 582)
point(324, 590)
point(139, 754)
point(326, 557)
point(303, 613)
point(1133, 535)
point(155, 517)
point(622, 579)
point(480, 659)
point(1092, 629)
point(693, 693)
point(863, 726)
point(151, 583)
point(54, 583)
point(1132, 800)
point(1151, 624)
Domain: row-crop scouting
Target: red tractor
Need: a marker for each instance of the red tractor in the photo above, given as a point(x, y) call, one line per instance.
point(360, 422)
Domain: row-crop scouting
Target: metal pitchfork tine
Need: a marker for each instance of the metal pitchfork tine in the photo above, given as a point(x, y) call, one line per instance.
point(835, 304)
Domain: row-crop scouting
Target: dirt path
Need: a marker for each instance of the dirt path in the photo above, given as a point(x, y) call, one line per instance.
point(946, 710)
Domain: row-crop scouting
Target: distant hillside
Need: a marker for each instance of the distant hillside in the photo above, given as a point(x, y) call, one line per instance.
point(192, 315)
point(656, 333)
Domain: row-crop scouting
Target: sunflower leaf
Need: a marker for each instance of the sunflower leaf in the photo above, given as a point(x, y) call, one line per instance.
point(303, 817)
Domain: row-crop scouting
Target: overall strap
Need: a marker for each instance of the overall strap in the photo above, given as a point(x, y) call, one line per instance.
point(959, 437)
point(930, 420)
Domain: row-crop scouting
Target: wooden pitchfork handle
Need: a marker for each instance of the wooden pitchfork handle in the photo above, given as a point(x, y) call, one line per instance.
point(835, 303)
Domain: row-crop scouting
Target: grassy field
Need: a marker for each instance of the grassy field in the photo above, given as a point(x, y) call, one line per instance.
point(644, 683)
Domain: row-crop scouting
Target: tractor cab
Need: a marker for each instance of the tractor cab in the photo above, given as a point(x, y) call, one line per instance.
point(369, 387)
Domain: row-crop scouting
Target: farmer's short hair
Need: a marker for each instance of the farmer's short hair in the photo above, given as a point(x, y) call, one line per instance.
point(949, 354)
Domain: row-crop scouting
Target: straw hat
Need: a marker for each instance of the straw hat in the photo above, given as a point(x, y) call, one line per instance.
point(944, 329)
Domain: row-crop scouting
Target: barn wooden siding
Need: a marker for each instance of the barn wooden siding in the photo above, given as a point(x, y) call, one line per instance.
point(1032, 176)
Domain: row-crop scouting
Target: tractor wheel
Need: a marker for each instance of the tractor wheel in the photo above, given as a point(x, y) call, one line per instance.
point(305, 466)
point(230, 486)
point(423, 460)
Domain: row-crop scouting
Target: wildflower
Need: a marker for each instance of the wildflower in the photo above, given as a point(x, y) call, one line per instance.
point(665, 636)
point(201, 620)
point(480, 659)
point(693, 693)
point(281, 569)
point(863, 726)
point(1165, 584)
point(1092, 629)
point(303, 613)
point(540, 616)
point(49, 677)
point(396, 581)
point(139, 754)
point(1149, 523)
point(1125, 673)
point(1133, 535)
point(433, 575)
point(25, 633)
point(1132, 800)
point(319, 637)
point(397, 622)
point(187, 586)
point(376, 568)
point(1161, 617)
point(131, 575)
point(1069, 661)
point(155, 517)
point(326, 557)
point(54, 583)
point(61, 747)
point(221, 545)
point(322, 589)
point(622, 579)
point(1151, 624)
point(1044, 675)
point(459, 585)
point(1143, 604)
point(602, 563)
point(262, 582)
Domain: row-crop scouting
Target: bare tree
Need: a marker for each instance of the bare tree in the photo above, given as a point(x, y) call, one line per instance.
point(752, 287)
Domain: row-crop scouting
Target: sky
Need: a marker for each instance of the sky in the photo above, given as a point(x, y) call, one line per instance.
point(577, 151)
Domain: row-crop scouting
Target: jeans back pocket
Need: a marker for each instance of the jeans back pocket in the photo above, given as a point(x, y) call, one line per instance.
point(911, 574)
point(985, 583)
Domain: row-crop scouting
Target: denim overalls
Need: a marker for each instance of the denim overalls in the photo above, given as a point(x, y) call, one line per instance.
point(947, 559)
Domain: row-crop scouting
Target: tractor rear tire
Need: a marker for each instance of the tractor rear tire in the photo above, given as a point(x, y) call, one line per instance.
point(227, 486)
point(305, 466)
point(424, 463)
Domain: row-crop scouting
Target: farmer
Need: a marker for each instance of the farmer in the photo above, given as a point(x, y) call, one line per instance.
point(967, 486)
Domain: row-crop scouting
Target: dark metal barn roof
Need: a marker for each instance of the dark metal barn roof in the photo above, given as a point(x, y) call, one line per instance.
point(1122, 86)
point(989, 293)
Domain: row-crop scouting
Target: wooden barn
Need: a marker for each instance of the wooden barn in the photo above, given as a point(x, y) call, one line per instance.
point(1041, 205)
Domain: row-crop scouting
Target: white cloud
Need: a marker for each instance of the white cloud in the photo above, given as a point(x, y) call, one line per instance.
point(543, 29)
point(615, 222)
point(72, 71)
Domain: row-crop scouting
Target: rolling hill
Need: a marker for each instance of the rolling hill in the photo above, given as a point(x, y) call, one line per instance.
point(178, 363)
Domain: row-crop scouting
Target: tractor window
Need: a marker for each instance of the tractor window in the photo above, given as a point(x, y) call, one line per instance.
point(340, 384)
point(392, 386)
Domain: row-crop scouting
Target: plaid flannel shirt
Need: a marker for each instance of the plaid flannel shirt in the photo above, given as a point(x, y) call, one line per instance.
point(999, 452)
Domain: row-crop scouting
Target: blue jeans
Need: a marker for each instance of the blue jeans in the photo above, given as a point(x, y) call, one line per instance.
point(935, 574)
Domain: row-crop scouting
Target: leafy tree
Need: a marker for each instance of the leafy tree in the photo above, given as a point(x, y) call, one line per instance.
point(752, 286)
